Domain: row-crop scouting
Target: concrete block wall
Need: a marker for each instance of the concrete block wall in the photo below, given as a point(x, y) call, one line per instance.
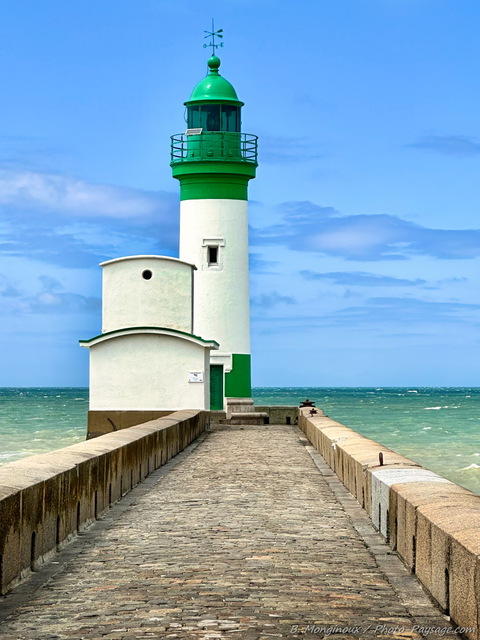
point(433, 524)
point(282, 414)
point(46, 499)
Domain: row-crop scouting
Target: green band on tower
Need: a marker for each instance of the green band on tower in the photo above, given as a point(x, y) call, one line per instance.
point(238, 381)
point(199, 180)
point(208, 188)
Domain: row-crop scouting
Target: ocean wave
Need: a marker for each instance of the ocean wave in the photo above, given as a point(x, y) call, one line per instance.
point(446, 406)
point(431, 408)
point(470, 467)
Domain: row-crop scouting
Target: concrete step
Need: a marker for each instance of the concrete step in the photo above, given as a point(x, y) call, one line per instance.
point(240, 405)
point(250, 417)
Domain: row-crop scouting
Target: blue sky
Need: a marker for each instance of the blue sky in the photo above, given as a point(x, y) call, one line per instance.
point(365, 234)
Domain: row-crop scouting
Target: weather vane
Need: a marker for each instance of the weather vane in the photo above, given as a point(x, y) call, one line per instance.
point(213, 34)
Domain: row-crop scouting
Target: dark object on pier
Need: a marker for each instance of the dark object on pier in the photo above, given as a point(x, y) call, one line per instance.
point(380, 458)
point(307, 403)
point(313, 411)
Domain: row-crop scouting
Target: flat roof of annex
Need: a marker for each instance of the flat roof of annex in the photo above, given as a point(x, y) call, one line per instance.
point(165, 258)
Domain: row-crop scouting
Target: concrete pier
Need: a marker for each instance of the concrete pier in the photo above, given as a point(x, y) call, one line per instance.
point(246, 534)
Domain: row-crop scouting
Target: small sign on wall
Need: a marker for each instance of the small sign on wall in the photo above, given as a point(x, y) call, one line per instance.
point(195, 376)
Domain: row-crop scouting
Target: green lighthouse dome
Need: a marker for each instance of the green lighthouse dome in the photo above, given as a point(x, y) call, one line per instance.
point(214, 88)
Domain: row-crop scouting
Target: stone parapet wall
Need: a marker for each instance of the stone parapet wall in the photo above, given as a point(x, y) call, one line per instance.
point(103, 421)
point(46, 499)
point(432, 523)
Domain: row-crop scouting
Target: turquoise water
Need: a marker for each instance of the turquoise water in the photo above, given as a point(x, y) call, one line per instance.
point(37, 420)
point(437, 427)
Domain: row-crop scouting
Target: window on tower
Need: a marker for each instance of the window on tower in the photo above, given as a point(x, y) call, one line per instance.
point(212, 256)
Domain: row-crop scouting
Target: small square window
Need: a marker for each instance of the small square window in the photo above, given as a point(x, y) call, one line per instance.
point(212, 255)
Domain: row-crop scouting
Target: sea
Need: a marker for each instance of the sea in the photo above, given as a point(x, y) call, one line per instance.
point(437, 427)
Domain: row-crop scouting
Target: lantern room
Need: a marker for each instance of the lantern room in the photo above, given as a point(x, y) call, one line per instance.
point(214, 104)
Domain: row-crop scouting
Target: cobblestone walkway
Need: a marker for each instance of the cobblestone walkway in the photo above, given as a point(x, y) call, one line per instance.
point(243, 538)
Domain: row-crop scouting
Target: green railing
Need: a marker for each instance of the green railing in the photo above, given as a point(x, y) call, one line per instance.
point(214, 145)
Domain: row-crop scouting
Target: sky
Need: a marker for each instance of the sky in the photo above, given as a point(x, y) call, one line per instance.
point(365, 234)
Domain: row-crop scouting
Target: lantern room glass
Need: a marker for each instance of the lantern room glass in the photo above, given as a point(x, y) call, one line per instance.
point(214, 117)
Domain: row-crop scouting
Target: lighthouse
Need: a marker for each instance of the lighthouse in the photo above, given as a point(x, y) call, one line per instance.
point(176, 331)
point(213, 162)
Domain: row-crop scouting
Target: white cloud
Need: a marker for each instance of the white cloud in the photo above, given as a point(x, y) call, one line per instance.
point(309, 227)
point(345, 239)
point(66, 195)
point(50, 299)
point(65, 220)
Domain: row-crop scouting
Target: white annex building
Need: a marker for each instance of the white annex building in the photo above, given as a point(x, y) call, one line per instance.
point(176, 332)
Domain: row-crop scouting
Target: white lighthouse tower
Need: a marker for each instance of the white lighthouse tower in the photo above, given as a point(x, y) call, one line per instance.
point(213, 162)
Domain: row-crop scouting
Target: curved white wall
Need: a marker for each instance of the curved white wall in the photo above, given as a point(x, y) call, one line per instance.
point(221, 301)
point(148, 371)
point(130, 300)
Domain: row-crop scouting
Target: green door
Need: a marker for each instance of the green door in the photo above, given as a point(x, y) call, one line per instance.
point(216, 387)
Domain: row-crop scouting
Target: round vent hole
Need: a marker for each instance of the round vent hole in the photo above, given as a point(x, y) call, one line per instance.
point(147, 274)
